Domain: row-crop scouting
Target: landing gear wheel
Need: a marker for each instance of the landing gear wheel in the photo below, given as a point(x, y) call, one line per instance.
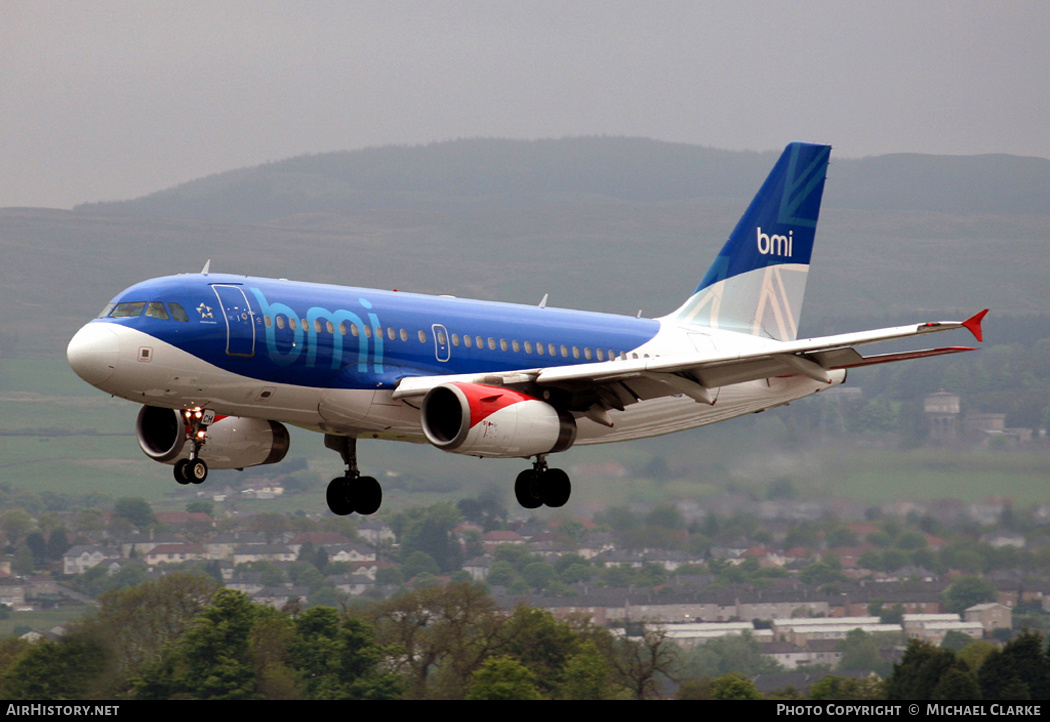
point(368, 494)
point(338, 496)
point(527, 489)
point(197, 471)
point(351, 492)
point(556, 487)
point(181, 471)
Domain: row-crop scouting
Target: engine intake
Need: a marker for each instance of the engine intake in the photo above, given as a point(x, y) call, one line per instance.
point(492, 421)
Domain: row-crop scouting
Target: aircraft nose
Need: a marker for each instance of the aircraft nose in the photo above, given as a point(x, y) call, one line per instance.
point(93, 352)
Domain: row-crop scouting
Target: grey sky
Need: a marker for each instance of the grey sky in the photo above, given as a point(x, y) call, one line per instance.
point(109, 100)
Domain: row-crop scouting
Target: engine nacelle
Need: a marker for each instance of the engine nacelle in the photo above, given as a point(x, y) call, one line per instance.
point(233, 442)
point(492, 421)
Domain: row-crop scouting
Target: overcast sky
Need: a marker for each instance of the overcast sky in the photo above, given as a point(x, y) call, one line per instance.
point(108, 100)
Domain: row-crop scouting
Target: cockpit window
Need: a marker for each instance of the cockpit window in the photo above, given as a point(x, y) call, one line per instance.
point(128, 309)
point(106, 310)
point(155, 309)
point(178, 312)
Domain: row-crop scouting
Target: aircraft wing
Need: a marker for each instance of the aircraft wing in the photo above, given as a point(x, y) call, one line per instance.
point(623, 381)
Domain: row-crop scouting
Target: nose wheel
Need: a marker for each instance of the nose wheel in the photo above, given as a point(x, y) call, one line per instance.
point(541, 486)
point(193, 470)
point(351, 492)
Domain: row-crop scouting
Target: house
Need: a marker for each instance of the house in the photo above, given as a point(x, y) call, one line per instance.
point(81, 558)
point(990, 616)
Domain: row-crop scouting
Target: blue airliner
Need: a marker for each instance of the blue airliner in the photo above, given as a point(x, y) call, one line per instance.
point(222, 362)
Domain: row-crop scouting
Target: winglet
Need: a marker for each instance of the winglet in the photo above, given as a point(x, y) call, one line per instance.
point(207, 265)
point(973, 324)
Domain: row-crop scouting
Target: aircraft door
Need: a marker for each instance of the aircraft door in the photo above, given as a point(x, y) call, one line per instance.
point(240, 320)
point(441, 348)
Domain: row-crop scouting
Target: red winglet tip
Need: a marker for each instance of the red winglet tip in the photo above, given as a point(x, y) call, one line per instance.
point(973, 324)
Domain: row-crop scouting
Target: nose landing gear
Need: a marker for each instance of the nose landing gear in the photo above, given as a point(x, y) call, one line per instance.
point(193, 470)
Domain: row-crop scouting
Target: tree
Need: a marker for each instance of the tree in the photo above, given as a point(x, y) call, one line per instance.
point(337, 658)
point(430, 531)
point(966, 592)
point(69, 669)
point(860, 651)
point(542, 643)
point(587, 675)
point(137, 623)
point(833, 687)
point(643, 662)
point(443, 635)
point(212, 660)
point(920, 670)
point(956, 684)
point(503, 678)
point(136, 511)
point(734, 686)
point(1019, 671)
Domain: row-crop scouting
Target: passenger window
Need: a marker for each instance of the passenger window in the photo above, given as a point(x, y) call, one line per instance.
point(539, 348)
point(553, 350)
point(268, 322)
point(129, 309)
point(317, 325)
point(404, 335)
point(422, 336)
point(601, 355)
point(455, 339)
point(479, 342)
point(390, 333)
point(564, 352)
point(468, 342)
point(280, 322)
point(516, 346)
point(587, 352)
point(368, 331)
point(503, 344)
point(528, 347)
point(342, 328)
point(155, 309)
point(178, 312)
point(441, 338)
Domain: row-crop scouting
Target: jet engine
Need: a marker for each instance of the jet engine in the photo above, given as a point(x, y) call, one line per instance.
point(233, 442)
point(492, 421)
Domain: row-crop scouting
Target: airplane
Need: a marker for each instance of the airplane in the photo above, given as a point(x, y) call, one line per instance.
point(221, 363)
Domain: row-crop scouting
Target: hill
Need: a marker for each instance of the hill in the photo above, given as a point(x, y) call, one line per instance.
point(514, 173)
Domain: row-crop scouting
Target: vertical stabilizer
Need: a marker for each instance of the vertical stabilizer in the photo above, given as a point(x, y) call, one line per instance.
point(758, 280)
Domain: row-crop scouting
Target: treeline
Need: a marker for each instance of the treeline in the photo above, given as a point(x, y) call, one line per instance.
point(183, 637)
point(980, 671)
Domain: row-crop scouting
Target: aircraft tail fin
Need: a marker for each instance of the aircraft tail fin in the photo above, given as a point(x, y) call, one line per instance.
point(757, 282)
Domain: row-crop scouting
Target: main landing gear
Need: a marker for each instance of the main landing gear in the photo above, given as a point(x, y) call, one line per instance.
point(351, 492)
point(193, 470)
point(539, 485)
